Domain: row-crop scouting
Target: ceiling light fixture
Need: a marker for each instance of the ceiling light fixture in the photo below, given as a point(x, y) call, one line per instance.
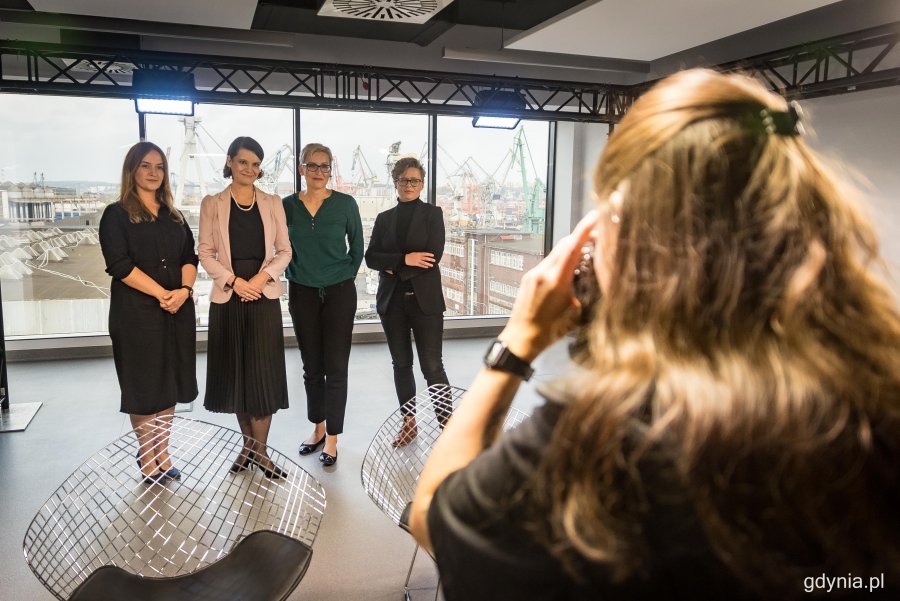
point(163, 92)
point(498, 109)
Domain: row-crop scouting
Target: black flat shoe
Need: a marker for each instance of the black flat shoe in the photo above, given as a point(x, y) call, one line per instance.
point(309, 449)
point(328, 460)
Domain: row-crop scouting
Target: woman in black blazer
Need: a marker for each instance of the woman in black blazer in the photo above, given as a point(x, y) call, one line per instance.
point(406, 246)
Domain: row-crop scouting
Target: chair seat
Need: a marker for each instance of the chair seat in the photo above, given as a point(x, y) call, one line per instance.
point(264, 566)
point(404, 517)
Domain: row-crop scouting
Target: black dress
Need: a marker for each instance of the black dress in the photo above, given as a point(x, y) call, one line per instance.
point(245, 361)
point(154, 351)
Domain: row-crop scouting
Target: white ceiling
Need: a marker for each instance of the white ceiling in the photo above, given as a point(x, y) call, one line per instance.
point(652, 29)
point(236, 14)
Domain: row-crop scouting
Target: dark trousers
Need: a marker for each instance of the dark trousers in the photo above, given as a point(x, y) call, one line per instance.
point(323, 323)
point(402, 317)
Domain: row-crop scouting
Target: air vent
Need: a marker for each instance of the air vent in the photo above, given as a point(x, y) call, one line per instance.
point(83, 66)
point(398, 11)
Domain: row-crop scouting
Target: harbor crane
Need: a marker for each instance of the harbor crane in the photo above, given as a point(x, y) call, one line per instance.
point(274, 167)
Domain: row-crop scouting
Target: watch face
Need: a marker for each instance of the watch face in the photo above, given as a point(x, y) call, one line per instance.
point(494, 353)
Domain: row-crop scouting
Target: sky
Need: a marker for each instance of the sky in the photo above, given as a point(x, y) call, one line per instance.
point(85, 139)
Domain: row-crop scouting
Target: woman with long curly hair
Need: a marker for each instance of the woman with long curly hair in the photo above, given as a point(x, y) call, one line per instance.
point(732, 427)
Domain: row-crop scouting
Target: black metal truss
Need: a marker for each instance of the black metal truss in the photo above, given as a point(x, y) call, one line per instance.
point(54, 69)
point(858, 61)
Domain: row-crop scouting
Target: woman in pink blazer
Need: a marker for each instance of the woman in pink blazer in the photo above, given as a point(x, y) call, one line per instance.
point(244, 247)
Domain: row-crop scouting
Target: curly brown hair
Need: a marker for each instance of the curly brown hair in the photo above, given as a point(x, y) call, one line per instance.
point(406, 163)
point(744, 341)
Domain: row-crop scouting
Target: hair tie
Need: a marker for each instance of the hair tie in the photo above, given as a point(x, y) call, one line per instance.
point(782, 123)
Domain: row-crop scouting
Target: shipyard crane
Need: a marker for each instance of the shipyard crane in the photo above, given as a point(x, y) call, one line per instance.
point(190, 154)
point(274, 167)
point(394, 155)
point(533, 219)
point(365, 176)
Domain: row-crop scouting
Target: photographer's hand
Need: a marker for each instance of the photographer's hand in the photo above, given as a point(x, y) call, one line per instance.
point(546, 308)
point(543, 311)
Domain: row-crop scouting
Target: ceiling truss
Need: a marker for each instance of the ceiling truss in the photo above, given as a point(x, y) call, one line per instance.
point(54, 69)
point(859, 61)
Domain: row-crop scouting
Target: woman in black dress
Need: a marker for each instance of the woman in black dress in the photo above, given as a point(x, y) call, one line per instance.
point(149, 252)
point(244, 248)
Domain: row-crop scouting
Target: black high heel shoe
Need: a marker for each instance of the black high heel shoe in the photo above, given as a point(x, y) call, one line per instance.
point(240, 466)
point(309, 449)
point(157, 478)
point(272, 473)
point(276, 473)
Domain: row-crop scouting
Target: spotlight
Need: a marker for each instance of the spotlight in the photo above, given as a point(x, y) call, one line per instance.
point(163, 92)
point(499, 109)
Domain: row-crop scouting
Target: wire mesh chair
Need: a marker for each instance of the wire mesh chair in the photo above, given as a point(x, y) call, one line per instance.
point(213, 534)
point(390, 473)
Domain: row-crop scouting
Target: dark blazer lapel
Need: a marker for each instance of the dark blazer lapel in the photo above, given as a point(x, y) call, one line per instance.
point(391, 237)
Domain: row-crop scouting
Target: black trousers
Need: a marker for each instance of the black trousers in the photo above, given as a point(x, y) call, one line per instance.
point(402, 317)
point(323, 322)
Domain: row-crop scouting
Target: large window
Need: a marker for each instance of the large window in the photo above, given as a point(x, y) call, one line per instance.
point(365, 147)
point(64, 164)
point(60, 164)
point(492, 186)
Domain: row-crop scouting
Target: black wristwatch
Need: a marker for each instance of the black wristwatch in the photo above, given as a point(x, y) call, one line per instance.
point(190, 290)
point(500, 358)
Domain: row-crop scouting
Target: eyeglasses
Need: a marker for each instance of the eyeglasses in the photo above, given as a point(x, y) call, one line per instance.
point(409, 182)
point(316, 168)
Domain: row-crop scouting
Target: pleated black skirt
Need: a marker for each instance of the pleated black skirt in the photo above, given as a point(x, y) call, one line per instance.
point(245, 359)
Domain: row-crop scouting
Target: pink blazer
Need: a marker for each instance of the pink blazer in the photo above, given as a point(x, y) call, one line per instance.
point(214, 246)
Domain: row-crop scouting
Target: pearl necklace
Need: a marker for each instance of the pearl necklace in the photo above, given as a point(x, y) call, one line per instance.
point(239, 206)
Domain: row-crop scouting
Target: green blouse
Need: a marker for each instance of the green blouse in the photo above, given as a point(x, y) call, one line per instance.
point(328, 248)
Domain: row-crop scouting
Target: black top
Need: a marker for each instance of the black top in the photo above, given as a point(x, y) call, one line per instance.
point(404, 217)
point(484, 548)
point(425, 233)
point(405, 212)
point(158, 248)
point(245, 233)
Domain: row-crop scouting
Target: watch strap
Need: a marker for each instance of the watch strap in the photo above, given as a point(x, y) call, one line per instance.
point(500, 358)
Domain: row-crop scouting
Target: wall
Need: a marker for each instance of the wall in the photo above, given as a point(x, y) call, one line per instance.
point(828, 21)
point(859, 130)
point(862, 130)
point(578, 147)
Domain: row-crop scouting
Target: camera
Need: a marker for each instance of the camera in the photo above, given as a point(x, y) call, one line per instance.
point(587, 290)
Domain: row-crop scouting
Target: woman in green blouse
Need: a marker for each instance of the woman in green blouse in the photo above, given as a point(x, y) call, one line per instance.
point(327, 241)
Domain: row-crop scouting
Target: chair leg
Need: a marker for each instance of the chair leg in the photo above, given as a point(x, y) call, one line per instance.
point(409, 574)
point(406, 595)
